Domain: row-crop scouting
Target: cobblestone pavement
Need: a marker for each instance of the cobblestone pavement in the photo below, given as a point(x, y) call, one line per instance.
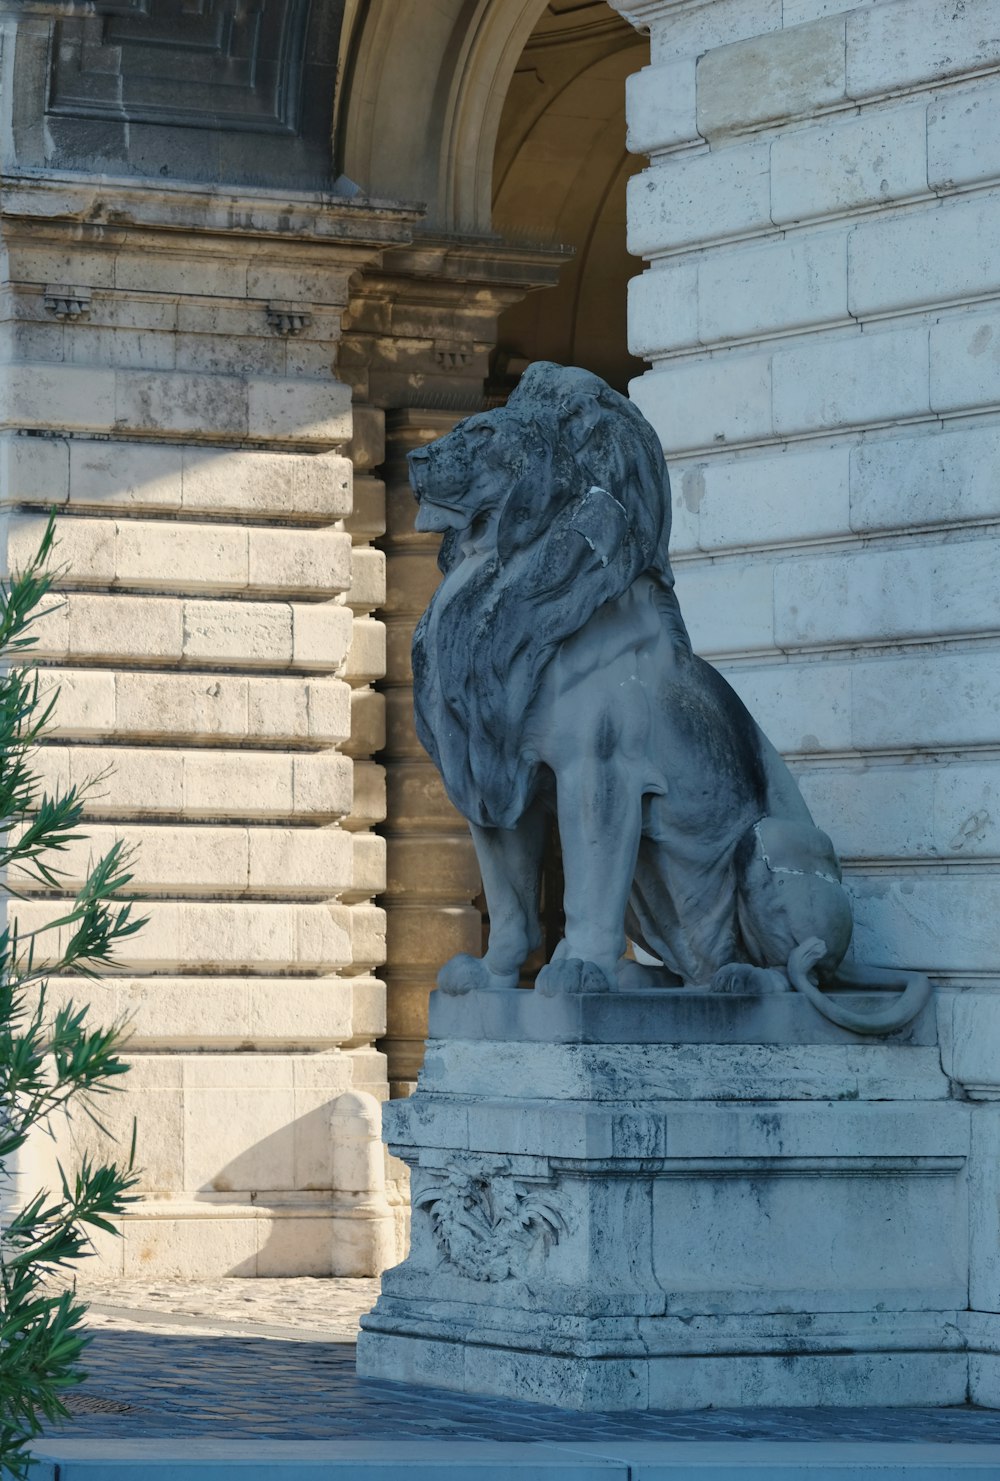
point(276, 1358)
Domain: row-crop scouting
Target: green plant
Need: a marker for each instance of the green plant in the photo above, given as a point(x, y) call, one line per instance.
point(51, 1062)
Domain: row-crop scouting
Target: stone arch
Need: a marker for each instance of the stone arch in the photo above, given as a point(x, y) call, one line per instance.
point(424, 95)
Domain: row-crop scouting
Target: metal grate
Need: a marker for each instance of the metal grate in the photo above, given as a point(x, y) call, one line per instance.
point(92, 1404)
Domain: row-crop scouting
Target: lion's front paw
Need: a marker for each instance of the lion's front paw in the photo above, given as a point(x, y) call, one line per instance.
point(466, 973)
point(570, 974)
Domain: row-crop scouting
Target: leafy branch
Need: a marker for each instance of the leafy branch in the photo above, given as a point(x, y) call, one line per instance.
point(52, 1064)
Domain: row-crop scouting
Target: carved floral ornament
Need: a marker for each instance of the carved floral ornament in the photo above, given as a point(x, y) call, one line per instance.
point(485, 1221)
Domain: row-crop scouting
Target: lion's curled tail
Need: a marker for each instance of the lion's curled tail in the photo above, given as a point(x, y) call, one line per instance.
point(914, 997)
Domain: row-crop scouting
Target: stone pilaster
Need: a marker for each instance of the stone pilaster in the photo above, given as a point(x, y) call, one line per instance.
point(416, 349)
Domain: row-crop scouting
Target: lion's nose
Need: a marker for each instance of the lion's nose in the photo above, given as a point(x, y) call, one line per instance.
point(416, 461)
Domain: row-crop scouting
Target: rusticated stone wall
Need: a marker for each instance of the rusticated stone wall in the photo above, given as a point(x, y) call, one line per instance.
point(822, 313)
point(167, 385)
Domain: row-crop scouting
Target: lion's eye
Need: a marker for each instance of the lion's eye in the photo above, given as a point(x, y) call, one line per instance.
point(483, 430)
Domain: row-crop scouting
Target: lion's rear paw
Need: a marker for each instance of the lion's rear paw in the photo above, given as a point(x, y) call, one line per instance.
point(742, 977)
point(466, 973)
point(570, 974)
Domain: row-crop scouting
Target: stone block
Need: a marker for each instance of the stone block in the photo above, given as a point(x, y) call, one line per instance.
point(180, 705)
point(765, 290)
point(250, 784)
point(946, 699)
point(777, 75)
point(180, 1248)
point(966, 815)
point(299, 562)
point(34, 470)
point(367, 723)
point(297, 1246)
point(660, 106)
point(300, 861)
point(970, 1038)
point(689, 33)
point(884, 596)
point(366, 521)
point(86, 703)
point(942, 477)
point(368, 876)
point(804, 708)
point(963, 137)
point(124, 475)
point(366, 925)
point(166, 860)
point(663, 309)
point(965, 362)
point(313, 485)
point(299, 411)
point(324, 785)
point(935, 42)
point(238, 634)
point(170, 274)
point(729, 608)
point(938, 700)
point(695, 1068)
point(151, 1099)
point(240, 1137)
point(941, 923)
point(321, 635)
point(839, 166)
point(367, 589)
point(368, 806)
point(366, 660)
point(86, 547)
point(307, 1013)
point(257, 938)
point(125, 629)
point(706, 403)
point(448, 871)
point(925, 257)
point(899, 1378)
point(699, 198)
point(179, 402)
point(181, 557)
point(71, 398)
point(863, 379)
point(874, 811)
point(768, 499)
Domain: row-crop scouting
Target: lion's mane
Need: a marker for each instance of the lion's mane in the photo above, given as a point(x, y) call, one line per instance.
point(586, 514)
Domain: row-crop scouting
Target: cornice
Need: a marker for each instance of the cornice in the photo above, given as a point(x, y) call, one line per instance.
point(642, 13)
point(104, 207)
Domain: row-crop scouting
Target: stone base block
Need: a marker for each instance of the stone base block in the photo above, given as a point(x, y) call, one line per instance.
point(684, 1215)
point(717, 1381)
point(182, 1240)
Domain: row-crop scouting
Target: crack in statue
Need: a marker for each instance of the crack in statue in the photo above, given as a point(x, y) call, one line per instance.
point(553, 674)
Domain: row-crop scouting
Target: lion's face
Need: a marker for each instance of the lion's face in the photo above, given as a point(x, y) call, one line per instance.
point(466, 475)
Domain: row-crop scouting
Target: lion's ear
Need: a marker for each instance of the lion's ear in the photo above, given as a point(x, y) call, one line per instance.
point(584, 413)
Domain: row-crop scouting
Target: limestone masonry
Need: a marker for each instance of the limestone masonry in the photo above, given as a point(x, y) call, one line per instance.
point(236, 294)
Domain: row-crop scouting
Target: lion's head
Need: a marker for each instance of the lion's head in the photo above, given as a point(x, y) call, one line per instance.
point(561, 499)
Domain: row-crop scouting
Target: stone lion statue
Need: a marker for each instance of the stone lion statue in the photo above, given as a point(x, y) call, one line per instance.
point(553, 675)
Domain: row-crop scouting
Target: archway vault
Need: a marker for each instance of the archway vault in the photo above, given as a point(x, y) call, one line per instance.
point(423, 97)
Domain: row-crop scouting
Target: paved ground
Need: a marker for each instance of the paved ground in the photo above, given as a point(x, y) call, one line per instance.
point(276, 1359)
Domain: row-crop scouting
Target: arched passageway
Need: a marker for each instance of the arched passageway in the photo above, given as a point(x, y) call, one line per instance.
point(560, 175)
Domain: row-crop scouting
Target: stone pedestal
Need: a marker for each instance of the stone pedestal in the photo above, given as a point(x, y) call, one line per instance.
point(671, 1200)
